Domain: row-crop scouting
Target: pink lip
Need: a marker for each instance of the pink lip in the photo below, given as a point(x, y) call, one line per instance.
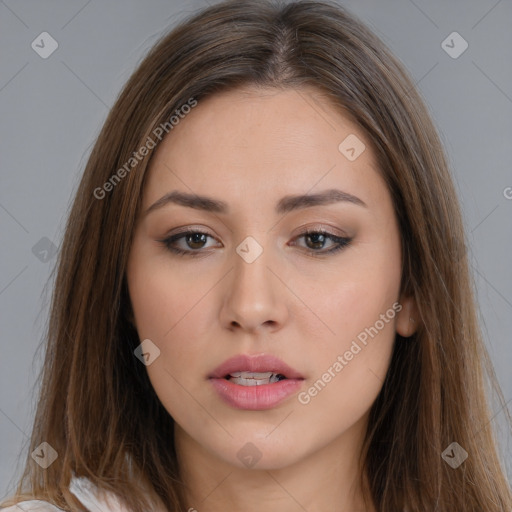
point(260, 397)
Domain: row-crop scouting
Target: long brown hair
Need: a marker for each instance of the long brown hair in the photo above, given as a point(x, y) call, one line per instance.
point(97, 408)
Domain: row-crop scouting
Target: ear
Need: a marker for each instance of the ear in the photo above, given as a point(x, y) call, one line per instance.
point(408, 318)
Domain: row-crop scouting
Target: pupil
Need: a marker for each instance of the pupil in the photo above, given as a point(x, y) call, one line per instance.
point(318, 239)
point(196, 238)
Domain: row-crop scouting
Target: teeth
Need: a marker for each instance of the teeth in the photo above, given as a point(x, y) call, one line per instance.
point(254, 378)
point(252, 375)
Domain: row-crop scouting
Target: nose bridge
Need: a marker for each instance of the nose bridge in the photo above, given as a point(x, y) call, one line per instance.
point(254, 297)
point(252, 280)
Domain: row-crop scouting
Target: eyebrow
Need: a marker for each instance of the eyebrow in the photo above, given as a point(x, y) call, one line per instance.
point(285, 204)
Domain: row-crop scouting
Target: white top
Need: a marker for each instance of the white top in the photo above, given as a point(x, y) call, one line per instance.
point(84, 490)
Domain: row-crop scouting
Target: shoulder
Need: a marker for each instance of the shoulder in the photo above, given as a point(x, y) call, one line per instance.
point(32, 506)
point(89, 495)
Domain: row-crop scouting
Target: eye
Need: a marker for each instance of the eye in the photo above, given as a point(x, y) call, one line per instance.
point(316, 240)
point(193, 241)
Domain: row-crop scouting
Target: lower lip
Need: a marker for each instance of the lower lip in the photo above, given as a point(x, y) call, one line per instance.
point(255, 398)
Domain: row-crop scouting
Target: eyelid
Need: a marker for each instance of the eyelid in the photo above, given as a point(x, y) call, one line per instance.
point(323, 228)
point(190, 228)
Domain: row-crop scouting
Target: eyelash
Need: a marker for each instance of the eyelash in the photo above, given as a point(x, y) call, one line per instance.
point(342, 242)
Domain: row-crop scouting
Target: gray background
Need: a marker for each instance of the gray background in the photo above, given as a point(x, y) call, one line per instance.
point(51, 110)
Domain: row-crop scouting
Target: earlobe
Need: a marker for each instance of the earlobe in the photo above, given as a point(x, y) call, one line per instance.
point(407, 319)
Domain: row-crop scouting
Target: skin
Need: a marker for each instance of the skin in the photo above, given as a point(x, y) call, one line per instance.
point(250, 147)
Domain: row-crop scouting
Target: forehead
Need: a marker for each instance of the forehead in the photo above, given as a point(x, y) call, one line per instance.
point(255, 143)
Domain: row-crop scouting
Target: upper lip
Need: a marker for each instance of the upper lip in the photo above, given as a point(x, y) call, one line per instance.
point(254, 363)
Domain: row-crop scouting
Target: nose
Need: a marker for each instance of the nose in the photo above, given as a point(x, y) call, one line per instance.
point(255, 297)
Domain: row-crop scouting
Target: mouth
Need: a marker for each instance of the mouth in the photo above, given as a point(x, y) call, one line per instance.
point(254, 378)
point(255, 382)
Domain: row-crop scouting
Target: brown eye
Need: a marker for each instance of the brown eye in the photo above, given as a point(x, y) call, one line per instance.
point(193, 241)
point(315, 241)
point(196, 240)
point(187, 243)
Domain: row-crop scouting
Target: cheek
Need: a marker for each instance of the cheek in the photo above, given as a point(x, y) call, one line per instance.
point(358, 349)
point(352, 299)
point(163, 299)
point(359, 306)
point(171, 309)
point(350, 370)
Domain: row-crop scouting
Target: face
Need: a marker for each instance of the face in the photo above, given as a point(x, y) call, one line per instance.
point(240, 282)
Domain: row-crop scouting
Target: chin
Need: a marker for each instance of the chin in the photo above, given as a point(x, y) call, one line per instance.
point(260, 452)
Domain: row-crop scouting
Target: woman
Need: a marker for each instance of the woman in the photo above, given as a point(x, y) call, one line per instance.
point(257, 305)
